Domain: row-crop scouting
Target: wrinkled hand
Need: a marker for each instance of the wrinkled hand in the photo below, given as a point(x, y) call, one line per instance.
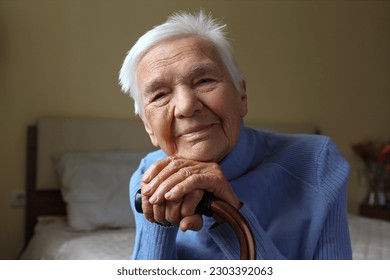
point(172, 188)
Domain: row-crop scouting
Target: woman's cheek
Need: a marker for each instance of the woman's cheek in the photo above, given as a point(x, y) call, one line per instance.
point(164, 124)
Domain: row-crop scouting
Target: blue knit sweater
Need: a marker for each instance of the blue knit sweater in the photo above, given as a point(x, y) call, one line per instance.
point(294, 199)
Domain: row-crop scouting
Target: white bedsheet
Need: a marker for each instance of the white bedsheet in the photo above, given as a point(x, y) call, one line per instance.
point(53, 239)
point(370, 238)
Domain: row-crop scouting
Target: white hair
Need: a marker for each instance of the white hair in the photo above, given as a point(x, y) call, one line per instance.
point(178, 24)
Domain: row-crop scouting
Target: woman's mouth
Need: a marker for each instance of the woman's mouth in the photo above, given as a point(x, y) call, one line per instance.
point(196, 131)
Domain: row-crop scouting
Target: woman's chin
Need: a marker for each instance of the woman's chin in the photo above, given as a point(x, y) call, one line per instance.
point(203, 154)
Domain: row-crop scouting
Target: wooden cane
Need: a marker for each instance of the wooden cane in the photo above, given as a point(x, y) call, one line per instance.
point(212, 206)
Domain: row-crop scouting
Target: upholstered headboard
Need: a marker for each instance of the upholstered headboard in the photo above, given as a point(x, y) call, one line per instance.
point(59, 135)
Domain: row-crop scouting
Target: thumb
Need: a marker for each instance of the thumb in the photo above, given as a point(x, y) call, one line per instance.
point(194, 222)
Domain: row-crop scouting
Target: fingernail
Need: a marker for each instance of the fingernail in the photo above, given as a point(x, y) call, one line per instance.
point(185, 228)
point(153, 199)
point(145, 177)
point(168, 195)
point(146, 189)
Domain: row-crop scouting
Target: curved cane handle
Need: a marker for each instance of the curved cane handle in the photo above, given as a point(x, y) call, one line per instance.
point(210, 206)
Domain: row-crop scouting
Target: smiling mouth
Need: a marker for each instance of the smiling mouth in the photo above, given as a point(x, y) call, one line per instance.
point(196, 131)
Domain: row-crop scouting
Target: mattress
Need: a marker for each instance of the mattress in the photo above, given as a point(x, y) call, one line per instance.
point(54, 239)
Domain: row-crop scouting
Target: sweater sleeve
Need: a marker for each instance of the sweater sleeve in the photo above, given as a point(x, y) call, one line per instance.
point(152, 242)
point(333, 171)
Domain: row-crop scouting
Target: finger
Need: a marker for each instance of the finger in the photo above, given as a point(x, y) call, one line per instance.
point(147, 209)
point(172, 212)
point(214, 183)
point(143, 186)
point(190, 183)
point(194, 222)
point(190, 202)
point(155, 168)
point(161, 172)
point(167, 184)
point(159, 213)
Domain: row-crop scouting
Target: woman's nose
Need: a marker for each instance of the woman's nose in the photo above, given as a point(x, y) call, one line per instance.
point(187, 103)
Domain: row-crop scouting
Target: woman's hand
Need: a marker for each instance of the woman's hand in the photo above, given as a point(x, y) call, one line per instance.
point(172, 188)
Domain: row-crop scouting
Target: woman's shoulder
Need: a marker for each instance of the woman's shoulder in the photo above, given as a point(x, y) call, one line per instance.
point(305, 155)
point(317, 160)
point(289, 144)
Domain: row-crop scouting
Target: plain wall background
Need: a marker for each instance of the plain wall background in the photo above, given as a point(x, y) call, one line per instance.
point(321, 62)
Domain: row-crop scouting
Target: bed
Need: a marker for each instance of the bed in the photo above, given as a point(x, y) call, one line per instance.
point(71, 213)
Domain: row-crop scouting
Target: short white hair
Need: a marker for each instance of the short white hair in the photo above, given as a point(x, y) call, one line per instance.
point(178, 24)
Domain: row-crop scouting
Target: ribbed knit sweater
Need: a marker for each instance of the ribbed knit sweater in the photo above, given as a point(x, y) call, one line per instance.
point(293, 190)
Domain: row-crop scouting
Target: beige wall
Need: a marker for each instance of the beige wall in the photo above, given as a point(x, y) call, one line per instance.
point(323, 62)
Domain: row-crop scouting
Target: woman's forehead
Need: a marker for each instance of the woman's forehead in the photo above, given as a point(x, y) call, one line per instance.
point(188, 56)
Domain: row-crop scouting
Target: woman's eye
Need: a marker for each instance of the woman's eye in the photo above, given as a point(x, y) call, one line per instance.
point(205, 84)
point(159, 96)
point(205, 81)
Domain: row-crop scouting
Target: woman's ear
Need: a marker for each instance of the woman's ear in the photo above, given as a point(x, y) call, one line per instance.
point(243, 100)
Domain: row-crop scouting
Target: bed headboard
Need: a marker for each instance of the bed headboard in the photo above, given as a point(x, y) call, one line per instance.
point(51, 137)
point(60, 135)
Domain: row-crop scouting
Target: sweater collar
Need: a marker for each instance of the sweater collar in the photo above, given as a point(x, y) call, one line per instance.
point(244, 155)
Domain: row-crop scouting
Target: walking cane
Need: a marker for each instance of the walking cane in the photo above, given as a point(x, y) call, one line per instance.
point(210, 206)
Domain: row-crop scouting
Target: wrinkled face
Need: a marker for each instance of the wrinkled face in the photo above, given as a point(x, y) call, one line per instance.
point(191, 107)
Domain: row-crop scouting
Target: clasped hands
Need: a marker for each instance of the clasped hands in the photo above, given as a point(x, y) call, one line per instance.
point(171, 189)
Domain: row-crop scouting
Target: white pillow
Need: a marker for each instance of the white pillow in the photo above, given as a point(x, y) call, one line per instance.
point(95, 188)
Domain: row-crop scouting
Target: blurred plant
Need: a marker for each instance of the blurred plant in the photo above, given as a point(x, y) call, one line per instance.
point(384, 157)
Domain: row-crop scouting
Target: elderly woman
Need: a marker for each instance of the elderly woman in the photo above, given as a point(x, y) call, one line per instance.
point(192, 99)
